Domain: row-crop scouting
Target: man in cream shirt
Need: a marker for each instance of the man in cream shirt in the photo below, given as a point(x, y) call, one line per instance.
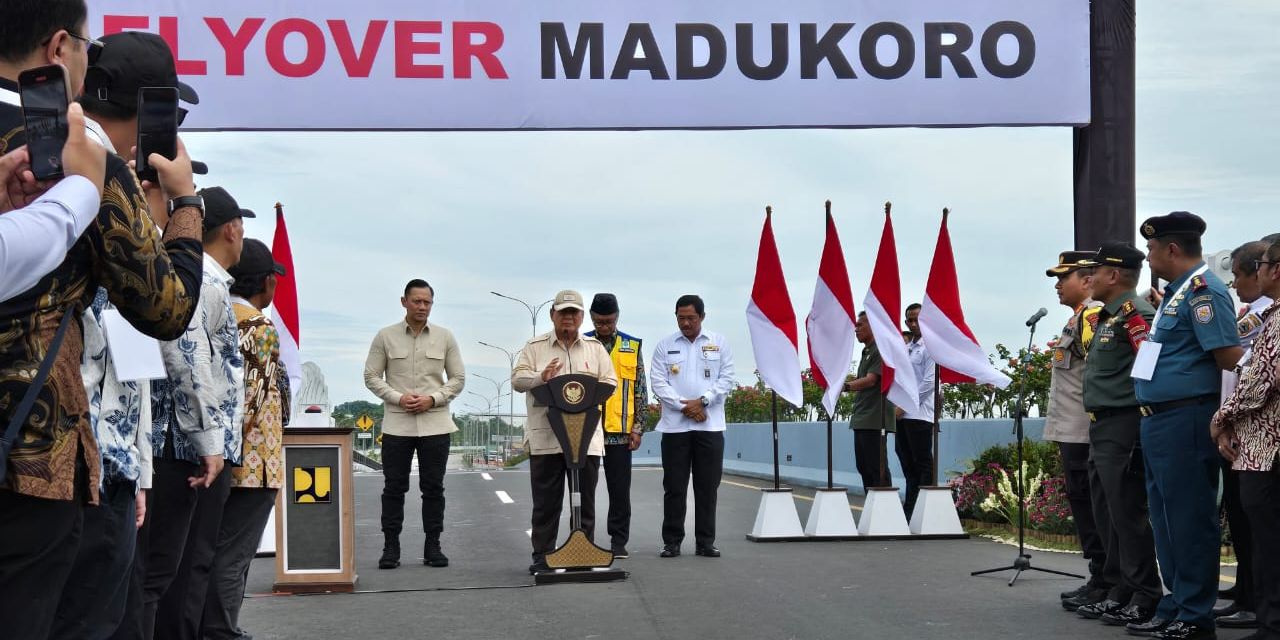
point(560, 352)
point(416, 368)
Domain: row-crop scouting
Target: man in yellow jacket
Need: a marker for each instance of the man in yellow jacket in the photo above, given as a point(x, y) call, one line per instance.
point(624, 415)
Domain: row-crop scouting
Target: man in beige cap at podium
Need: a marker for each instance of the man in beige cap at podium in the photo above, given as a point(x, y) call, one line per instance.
point(561, 352)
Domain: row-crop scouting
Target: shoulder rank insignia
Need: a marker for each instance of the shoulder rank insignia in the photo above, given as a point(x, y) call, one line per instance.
point(1137, 327)
point(1198, 283)
point(1128, 308)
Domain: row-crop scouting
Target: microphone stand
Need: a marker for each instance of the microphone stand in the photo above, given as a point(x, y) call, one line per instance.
point(1023, 561)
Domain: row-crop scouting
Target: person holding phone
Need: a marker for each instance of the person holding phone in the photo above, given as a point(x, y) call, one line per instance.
point(53, 469)
point(38, 226)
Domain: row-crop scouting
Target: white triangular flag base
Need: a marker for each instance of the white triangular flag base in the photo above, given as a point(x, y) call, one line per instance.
point(882, 514)
point(935, 513)
point(831, 516)
point(776, 520)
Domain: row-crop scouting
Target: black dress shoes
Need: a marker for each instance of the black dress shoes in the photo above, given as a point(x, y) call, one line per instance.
point(1239, 620)
point(1132, 614)
point(620, 552)
point(1226, 610)
point(1098, 609)
point(1093, 596)
point(390, 556)
point(1180, 630)
point(708, 551)
point(538, 566)
point(1148, 628)
point(432, 557)
point(1076, 592)
point(670, 551)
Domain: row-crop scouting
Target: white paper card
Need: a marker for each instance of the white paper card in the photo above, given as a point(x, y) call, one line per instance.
point(1144, 365)
point(135, 356)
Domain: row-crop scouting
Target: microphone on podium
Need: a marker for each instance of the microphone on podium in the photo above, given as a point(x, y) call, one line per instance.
point(1031, 322)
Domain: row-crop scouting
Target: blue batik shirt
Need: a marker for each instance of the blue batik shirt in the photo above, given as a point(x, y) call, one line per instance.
point(1189, 327)
point(201, 404)
point(116, 408)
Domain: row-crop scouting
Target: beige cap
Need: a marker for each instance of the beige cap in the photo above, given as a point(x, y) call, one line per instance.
point(568, 299)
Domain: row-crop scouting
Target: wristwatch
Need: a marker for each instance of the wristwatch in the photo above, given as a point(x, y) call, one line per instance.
point(704, 401)
point(187, 201)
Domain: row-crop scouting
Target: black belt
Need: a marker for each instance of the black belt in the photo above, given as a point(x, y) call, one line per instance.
point(1161, 407)
point(1103, 414)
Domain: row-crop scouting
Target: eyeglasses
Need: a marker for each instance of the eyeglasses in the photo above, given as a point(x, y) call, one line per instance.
point(1257, 264)
point(93, 47)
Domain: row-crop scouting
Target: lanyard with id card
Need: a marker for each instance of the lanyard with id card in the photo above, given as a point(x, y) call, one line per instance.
point(1144, 364)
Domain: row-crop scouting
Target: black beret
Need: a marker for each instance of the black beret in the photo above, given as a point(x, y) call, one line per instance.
point(605, 304)
point(1176, 223)
point(1122, 255)
point(1069, 261)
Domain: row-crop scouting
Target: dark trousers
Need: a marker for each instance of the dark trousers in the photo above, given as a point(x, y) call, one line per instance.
point(38, 542)
point(170, 506)
point(397, 458)
point(913, 443)
point(182, 605)
point(547, 476)
point(93, 602)
point(131, 625)
point(1075, 466)
point(868, 447)
point(1260, 496)
point(1118, 482)
point(700, 454)
point(241, 530)
point(1182, 490)
point(617, 477)
point(1241, 537)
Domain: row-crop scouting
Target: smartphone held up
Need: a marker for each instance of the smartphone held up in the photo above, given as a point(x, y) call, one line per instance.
point(157, 127)
point(45, 94)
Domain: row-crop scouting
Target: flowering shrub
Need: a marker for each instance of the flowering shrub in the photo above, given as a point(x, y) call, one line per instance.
point(1005, 500)
point(1050, 511)
point(988, 491)
point(971, 490)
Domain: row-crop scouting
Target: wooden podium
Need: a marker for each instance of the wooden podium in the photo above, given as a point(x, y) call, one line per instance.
point(315, 531)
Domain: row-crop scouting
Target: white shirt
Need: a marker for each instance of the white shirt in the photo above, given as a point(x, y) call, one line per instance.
point(35, 239)
point(923, 365)
point(684, 370)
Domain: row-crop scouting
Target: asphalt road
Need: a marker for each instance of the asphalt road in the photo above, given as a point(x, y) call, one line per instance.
point(908, 589)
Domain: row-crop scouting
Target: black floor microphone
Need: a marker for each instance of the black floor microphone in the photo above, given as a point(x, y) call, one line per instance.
point(1031, 322)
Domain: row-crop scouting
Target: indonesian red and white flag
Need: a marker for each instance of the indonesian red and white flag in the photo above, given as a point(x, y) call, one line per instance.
point(883, 305)
point(830, 326)
point(284, 308)
point(772, 322)
point(942, 327)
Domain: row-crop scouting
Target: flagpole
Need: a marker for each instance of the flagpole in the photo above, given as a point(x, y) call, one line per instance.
point(937, 418)
point(830, 472)
point(777, 483)
point(884, 441)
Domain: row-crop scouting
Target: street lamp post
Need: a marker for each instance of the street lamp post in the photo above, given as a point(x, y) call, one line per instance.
point(533, 311)
point(511, 359)
point(498, 389)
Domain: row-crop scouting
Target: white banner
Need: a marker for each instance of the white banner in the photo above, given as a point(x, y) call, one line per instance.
point(578, 64)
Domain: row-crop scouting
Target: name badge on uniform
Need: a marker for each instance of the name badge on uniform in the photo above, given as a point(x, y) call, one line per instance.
point(706, 373)
point(1144, 364)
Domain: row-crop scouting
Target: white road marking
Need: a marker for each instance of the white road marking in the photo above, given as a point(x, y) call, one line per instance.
point(502, 495)
point(486, 476)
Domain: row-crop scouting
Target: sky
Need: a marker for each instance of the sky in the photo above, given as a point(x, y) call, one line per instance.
point(653, 215)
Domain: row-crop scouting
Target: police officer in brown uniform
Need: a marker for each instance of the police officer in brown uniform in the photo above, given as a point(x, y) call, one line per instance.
point(1066, 422)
